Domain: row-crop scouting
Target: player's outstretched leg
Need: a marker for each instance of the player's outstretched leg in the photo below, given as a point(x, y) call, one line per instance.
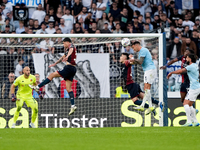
point(19, 104)
point(46, 81)
point(160, 104)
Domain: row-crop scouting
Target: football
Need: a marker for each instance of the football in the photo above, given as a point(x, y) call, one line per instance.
point(125, 42)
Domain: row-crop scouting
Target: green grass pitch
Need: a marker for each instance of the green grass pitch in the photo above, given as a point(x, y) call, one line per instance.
point(135, 138)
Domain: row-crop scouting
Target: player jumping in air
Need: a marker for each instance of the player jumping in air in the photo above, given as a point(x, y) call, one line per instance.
point(67, 73)
point(24, 94)
point(145, 59)
point(194, 90)
point(133, 88)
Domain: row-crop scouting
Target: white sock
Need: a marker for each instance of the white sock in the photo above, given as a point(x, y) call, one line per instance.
point(193, 114)
point(149, 98)
point(188, 113)
point(144, 99)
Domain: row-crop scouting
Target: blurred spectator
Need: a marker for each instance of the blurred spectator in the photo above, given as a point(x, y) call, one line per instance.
point(186, 32)
point(140, 19)
point(85, 47)
point(169, 7)
point(164, 20)
point(179, 25)
point(58, 31)
point(52, 16)
point(114, 11)
point(39, 14)
point(58, 49)
point(197, 23)
point(21, 28)
point(42, 30)
point(195, 38)
point(50, 29)
point(36, 26)
point(7, 23)
point(8, 7)
point(46, 20)
point(63, 27)
point(175, 17)
point(88, 21)
point(87, 3)
point(83, 14)
point(123, 18)
point(78, 28)
point(139, 6)
point(188, 44)
point(26, 29)
point(93, 28)
point(128, 50)
point(2, 22)
point(59, 14)
point(77, 8)
point(146, 28)
point(156, 22)
point(187, 22)
point(69, 20)
point(54, 4)
point(30, 31)
point(94, 11)
point(46, 46)
point(30, 23)
point(6, 88)
point(130, 27)
point(101, 7)
point(148, 21)
point(117, 51)
point(41, 90)
point(137, 28)
point(160, 8)
point(174, 49)
point(107, 48)
point(18, 70)
point(111, 25)
point(118, 30)
point(7, 30)
point(101, 22)
point(105, 28)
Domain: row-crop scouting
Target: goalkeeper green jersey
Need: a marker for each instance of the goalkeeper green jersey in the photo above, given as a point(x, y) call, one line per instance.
point(24, 91)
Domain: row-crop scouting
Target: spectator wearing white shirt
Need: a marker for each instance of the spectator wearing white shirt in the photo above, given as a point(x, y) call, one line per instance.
point(8, 7)
point(69, 20)
point(63, 27)
point(21, 28)
point(187, 22)
point(50, 29)
point(83, 13)
point(18, 70)
point(2, 22)
point(39, 14)
point(46, 46)
point(139, 7)
point(43, 29)
point(101, 7)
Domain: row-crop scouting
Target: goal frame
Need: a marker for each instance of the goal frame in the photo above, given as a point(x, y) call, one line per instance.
point(163, 116)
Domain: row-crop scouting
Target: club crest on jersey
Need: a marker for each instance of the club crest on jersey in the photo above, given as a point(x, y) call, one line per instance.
point(31, 80)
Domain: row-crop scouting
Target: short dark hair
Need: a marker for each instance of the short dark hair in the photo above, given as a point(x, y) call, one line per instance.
point(193, 57)
point(136, 42)
point(126, 54)
point(67, 40)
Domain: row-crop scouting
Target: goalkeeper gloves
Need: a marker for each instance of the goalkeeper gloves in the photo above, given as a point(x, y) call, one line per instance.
point(13, 98)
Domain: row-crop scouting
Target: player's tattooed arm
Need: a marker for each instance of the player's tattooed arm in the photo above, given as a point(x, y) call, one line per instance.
point(69, 53)
point(138, 61)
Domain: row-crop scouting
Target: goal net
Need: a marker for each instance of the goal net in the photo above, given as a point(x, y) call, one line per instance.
point(97, 88)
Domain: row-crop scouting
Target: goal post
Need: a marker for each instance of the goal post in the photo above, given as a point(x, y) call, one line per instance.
point(96, 81)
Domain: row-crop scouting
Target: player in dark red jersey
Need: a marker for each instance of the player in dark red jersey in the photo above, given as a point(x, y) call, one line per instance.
point(67, 73)
point(133, 88)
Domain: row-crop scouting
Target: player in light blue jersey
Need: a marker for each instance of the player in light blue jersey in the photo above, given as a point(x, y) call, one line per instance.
point(145, 59)
point(194, 90)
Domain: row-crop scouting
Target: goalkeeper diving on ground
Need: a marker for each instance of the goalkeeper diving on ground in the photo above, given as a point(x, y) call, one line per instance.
point(67, 73)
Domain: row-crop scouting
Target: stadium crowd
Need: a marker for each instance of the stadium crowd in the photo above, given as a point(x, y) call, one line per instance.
point(94, 17)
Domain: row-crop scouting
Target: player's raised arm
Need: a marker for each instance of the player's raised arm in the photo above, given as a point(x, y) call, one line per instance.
point(69, 53)
point(180, 71)
point(169, 63)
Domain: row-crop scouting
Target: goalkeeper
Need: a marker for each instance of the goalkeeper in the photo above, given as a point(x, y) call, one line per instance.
point(24, 94)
